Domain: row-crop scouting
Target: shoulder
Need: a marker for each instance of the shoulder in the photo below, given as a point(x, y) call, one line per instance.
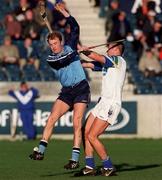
point(116, 58)
point(108, 57)
point(67, 49)
point(33, 89)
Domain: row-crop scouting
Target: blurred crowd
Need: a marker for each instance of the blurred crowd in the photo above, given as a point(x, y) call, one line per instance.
point(25, 33)
point(140, 23)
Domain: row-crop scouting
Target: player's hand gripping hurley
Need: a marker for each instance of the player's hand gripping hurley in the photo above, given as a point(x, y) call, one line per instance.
point(42, 8)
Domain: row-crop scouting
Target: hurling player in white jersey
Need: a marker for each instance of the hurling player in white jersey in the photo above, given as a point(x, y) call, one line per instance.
point(104, 114)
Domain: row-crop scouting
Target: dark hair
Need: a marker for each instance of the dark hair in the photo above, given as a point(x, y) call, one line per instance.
point(54, 35)
point(151, 5)
point(121, 47)
point(148, 50)
point(23, 82)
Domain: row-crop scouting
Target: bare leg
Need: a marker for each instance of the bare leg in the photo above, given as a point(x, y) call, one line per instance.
point(97, 128)
point(88, 147)
point(59, 109)
point(79, 109)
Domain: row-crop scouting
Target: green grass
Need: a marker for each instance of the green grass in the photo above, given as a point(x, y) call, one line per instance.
point(134, 160)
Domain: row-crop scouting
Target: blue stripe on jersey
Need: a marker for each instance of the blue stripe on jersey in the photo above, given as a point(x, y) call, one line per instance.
point(108, 62)
point(62, 61)
point(97, 66)
point(67, 67)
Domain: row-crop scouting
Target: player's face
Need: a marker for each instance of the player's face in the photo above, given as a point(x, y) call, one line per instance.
point(24, 87)
point(110, 49)
point(55, 45)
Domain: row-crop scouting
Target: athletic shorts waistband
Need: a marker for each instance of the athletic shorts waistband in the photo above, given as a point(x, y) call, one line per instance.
point(75, 85)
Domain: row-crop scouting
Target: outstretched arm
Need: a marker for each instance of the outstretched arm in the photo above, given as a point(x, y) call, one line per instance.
point(95, 66)
point(99, 60)
point(93, 55)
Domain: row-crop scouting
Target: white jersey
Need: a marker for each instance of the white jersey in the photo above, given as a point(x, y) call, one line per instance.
point(108, 108)
point(113, 80)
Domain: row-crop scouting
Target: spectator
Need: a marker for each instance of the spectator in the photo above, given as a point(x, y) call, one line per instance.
point(25, 101)
point(145, 6)
point(10, 4)
point(9, 53)
point(21, 9)
point(29, 55)
point(126, 7)
point(103, 8)
point(149, 64)
point(149, 22)
point(154, 38)
point(33, 3)
point(112, 12)
point(121, 27)
point(39, 19)
point(30, 27)
point(13, 27)
point(139, 43)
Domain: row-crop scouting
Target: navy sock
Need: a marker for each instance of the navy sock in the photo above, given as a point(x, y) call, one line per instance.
point(75, 154)
point(107, 163)
point(42, 146)
point(90, 162)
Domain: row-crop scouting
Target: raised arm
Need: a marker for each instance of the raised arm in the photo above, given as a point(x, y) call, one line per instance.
point(74, 27)
point(12, 94)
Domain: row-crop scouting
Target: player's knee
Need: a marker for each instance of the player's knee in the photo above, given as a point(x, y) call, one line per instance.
point(77, 124)
point(91, 138)
point(51, 120)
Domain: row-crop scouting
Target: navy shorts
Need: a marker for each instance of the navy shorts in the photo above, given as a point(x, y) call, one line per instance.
point(79, 93)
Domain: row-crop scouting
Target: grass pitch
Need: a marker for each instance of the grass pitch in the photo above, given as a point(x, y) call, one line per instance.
point(134, 160)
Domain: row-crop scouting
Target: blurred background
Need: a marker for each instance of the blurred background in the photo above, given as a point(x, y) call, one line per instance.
point(23, 52)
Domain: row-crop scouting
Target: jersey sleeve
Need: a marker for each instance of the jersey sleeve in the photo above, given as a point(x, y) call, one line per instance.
point(12, 94)
point(97, 66)
point(74, 34)
point(35, 92)
point(108, 62)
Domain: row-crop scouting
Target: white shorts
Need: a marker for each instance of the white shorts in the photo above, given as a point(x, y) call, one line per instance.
point(106, 111)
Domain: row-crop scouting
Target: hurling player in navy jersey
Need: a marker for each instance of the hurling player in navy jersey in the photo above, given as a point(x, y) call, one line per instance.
point(75, 93)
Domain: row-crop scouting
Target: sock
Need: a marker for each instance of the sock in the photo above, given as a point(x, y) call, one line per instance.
point(90, 162)
point(75, 154)
point(107, 163)
point(42, 146)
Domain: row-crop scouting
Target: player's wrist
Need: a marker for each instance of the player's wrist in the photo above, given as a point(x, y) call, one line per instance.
point(86, 52)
